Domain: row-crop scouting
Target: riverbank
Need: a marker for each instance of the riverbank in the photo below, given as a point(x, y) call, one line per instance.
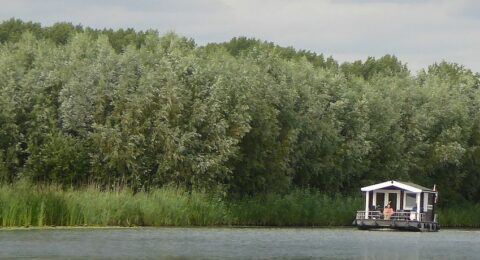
point(44, 206)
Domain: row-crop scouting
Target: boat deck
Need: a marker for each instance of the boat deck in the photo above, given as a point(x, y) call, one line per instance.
point(408, 221)
point(406, 225)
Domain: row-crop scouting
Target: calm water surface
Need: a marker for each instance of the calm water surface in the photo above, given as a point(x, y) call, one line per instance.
point(238, 243)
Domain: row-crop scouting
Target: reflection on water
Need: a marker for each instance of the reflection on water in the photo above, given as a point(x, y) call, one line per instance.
point(220, 243)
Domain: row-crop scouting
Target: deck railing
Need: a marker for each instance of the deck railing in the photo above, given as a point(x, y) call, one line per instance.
point(373, 214)
point(395, 216)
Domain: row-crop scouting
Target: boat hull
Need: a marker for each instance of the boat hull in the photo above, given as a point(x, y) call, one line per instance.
point(402, 225)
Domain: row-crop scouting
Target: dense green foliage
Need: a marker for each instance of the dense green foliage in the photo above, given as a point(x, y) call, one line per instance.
point(295, 208)
point(126, 108)
point(26, 205)
point(465, 216)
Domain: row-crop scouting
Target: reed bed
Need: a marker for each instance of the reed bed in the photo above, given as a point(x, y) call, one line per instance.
point(466, 216)
point(32, 205)
point(297, 208)
point(26, 205)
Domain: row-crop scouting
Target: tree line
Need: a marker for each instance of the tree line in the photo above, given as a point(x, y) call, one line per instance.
point(81, 105)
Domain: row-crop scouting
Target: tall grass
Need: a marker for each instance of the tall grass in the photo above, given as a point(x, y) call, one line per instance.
point(29, 205)
point(26, 205)
point(297, 208)
point(466, 216)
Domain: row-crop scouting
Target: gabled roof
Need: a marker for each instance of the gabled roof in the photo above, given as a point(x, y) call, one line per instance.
point(398, 184)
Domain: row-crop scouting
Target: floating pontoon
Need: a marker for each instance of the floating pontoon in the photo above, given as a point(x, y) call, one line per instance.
point(413, 207)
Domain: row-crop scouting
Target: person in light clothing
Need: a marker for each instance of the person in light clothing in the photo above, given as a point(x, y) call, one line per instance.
point(388, 212)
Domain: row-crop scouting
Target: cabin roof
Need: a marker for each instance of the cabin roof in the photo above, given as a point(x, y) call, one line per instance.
point(398, 184)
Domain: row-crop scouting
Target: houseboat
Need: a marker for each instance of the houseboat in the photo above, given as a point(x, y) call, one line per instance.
point(399, 206)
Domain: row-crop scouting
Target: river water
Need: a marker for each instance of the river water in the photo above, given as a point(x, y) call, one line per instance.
point(237, 243)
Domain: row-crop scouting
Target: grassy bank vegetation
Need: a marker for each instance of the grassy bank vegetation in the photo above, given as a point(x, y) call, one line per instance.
point(26, 205)
point(465, 216)
point(31, 205)
point(297, 208)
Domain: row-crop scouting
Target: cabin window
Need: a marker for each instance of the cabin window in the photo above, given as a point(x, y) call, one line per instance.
point(380, 201)
point(410, 200)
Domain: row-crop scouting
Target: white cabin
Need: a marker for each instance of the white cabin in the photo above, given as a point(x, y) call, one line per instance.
point(409, 201)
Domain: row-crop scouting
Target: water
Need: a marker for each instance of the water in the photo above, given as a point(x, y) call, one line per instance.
point(238, 243)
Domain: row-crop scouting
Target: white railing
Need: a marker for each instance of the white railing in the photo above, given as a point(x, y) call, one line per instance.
point(395, 216)
point(373, 214)
point(401, 216)
point(417, 216)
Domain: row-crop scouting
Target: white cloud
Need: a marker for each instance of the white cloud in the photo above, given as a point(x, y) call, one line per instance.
point(418, 32)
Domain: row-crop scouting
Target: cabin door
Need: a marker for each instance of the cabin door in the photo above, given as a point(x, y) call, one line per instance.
point(392, 197)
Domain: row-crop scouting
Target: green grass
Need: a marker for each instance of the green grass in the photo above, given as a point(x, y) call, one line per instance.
point(465, 216)
point(26, 205)
point(297, 208)
point(31, 205)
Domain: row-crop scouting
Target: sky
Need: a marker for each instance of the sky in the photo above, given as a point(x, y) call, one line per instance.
point(418, 32)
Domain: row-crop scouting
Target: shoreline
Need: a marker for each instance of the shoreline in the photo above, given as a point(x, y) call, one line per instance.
point(199, 227)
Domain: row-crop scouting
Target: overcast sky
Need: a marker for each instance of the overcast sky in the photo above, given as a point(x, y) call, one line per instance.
point(419, 32)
